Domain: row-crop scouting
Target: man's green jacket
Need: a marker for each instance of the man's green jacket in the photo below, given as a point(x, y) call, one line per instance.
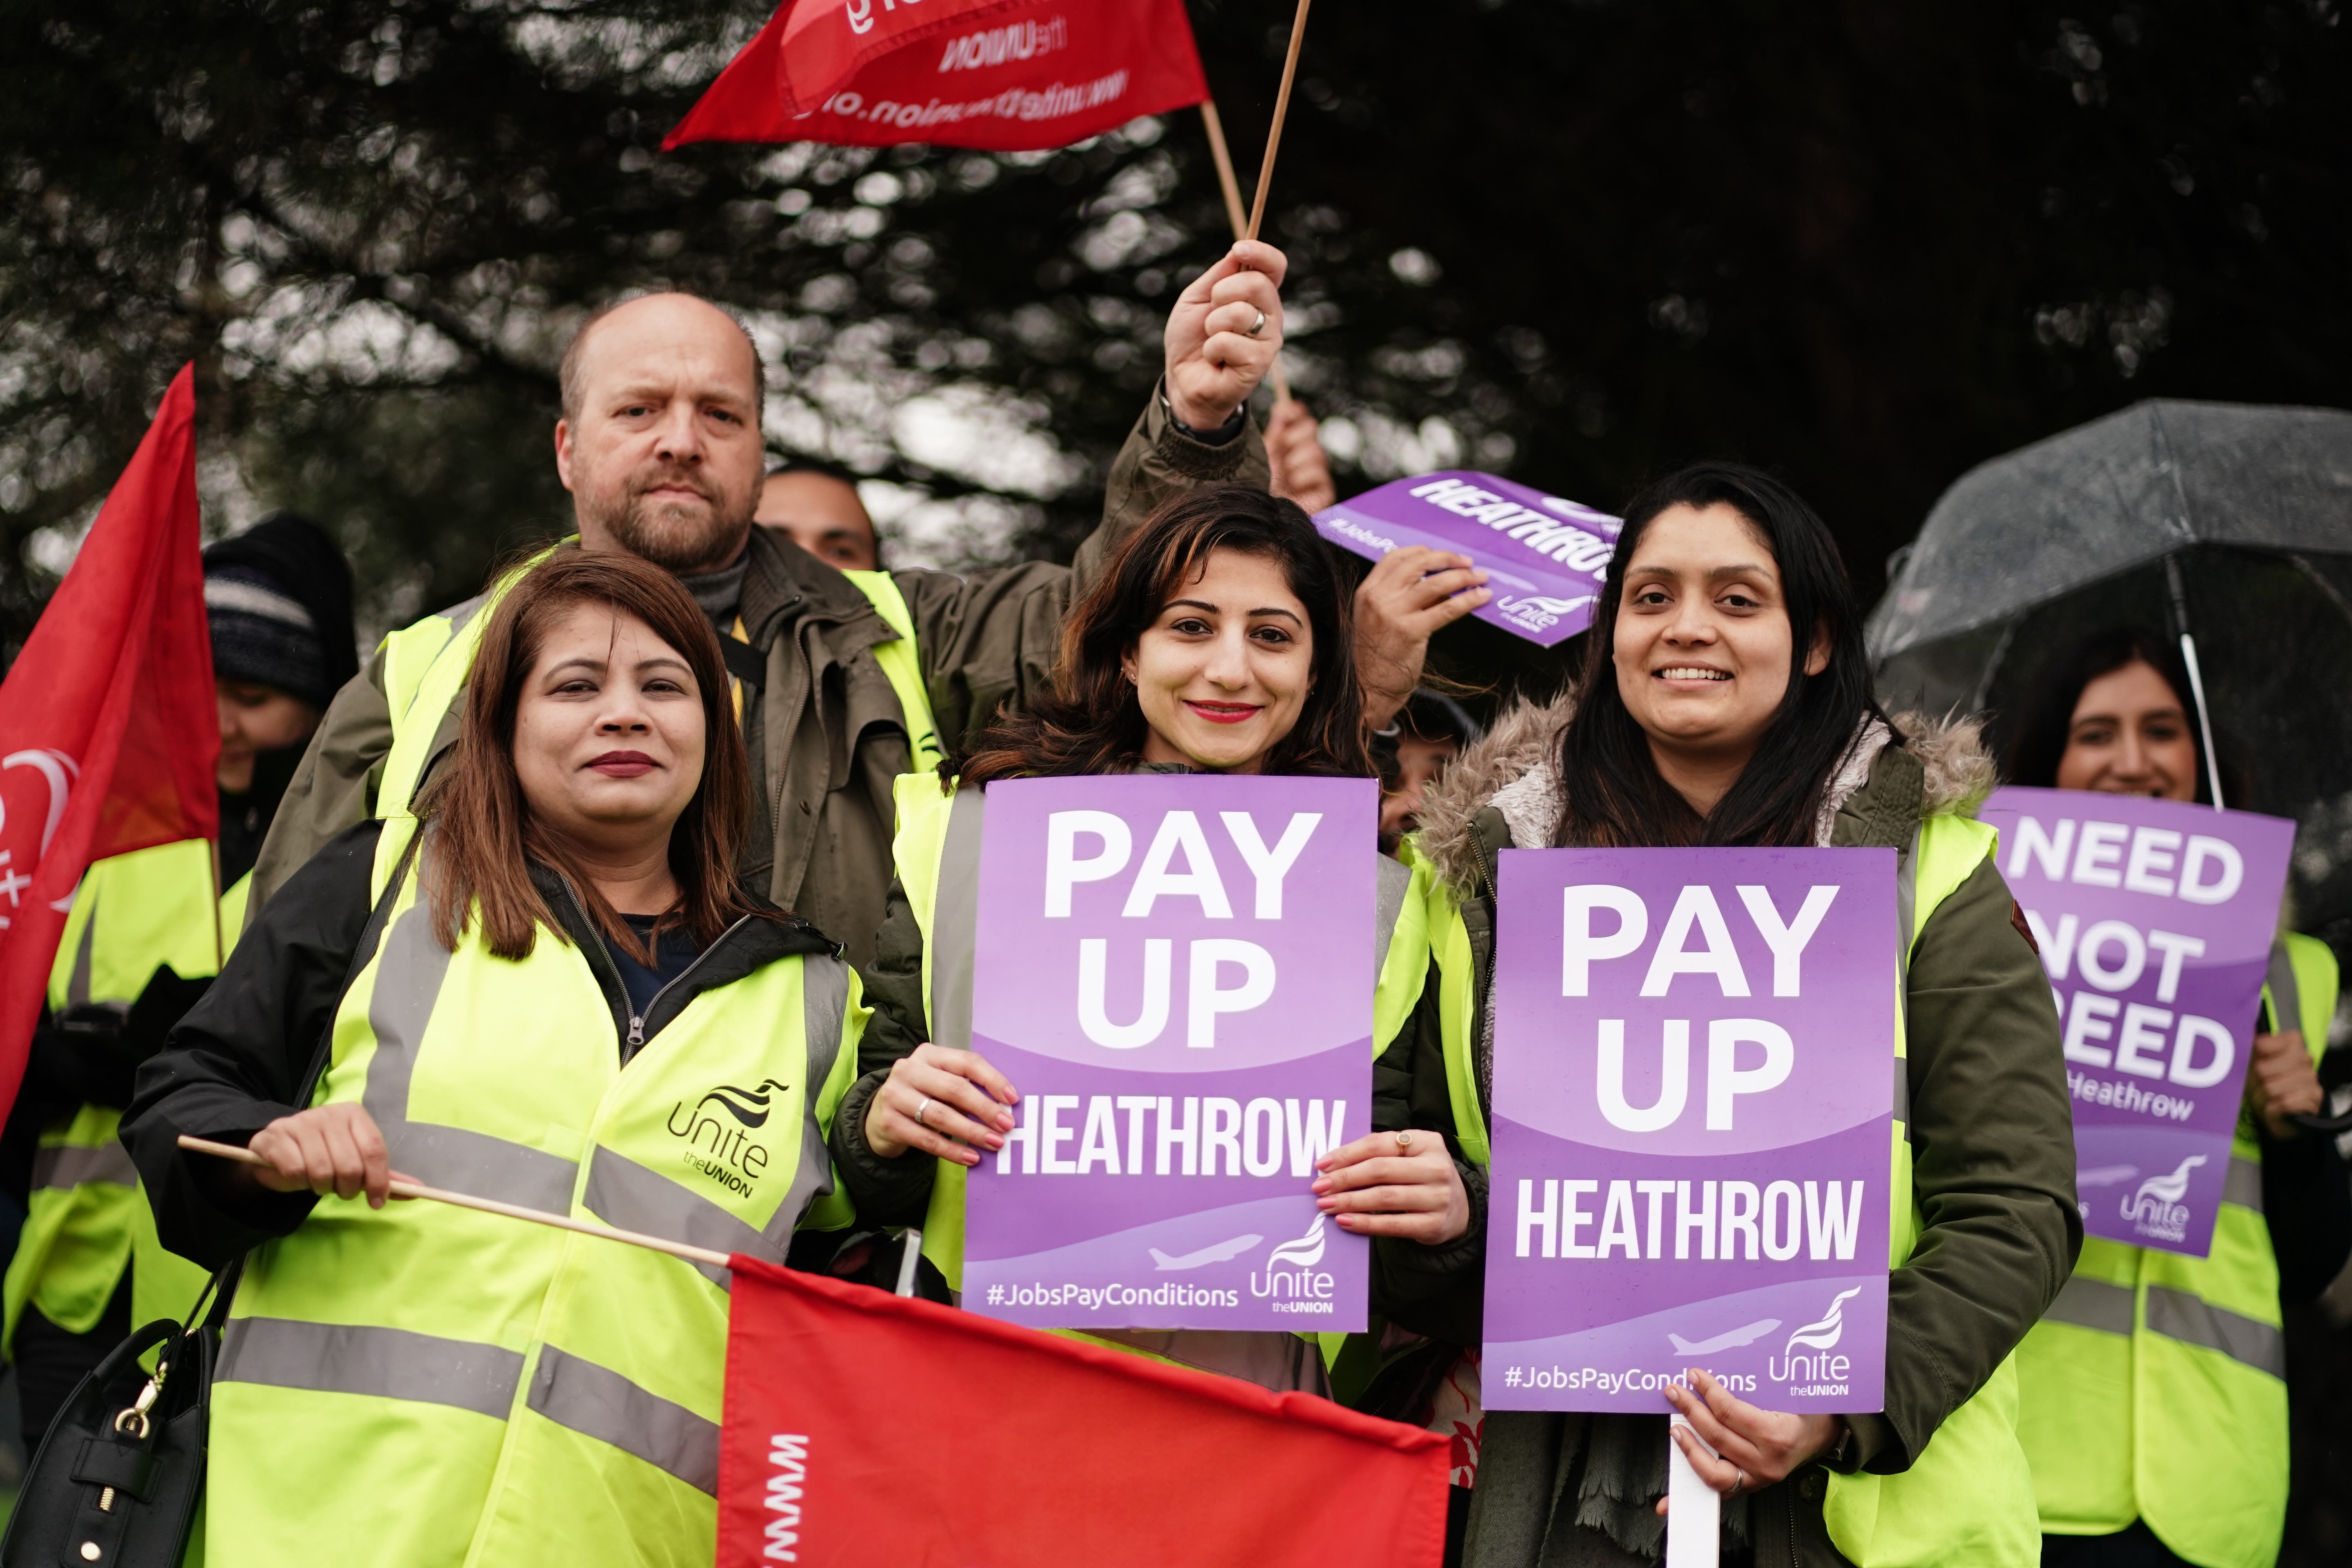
point(826, 734)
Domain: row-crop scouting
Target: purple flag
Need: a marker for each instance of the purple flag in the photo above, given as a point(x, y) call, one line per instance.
point(1545, 558)
point(2155, 919)
point(1177, 974)
point(1695, 1074)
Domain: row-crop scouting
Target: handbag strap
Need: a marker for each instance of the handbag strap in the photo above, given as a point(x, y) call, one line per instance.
point(222, 1286)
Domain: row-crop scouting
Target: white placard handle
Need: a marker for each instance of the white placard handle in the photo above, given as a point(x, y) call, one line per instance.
point(1693, 1508)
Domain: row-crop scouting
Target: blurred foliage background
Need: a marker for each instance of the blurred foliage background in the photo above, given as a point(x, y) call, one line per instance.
point(1576, 241)
point(1867, 243)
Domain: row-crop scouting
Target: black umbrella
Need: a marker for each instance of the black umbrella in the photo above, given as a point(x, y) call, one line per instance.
point(2229, 525)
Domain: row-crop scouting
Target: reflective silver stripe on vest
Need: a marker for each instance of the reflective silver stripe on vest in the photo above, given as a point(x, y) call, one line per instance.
point(458, 616)
point(955, 922)
point(825, 996)
point(389, 1364)
point(599, 1403)
point(2244, 1185)
point(78, 982)
point(2178, 1315)
point(1906, 909)
point(2088, 1303)
point(69, 1166)
point(1394, 880)
point(2286, 996)
point(625, 1193)
point(408, 984)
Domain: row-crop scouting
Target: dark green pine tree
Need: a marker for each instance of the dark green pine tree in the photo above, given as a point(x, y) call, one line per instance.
point(1868, 244)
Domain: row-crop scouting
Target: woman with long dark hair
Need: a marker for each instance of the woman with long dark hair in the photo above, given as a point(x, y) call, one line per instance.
point(2152, 1399)
point(1726, 699)
point(1217, 641)
point(548, 988)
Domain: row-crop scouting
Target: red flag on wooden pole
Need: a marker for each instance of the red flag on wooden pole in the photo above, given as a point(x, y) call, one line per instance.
point(1004, 75)
point(869, 1429)
point(108, 727)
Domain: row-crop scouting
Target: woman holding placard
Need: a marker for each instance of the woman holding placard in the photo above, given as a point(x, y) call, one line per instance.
point(2152, 1399)
point(1726, 699)
point(1217, 642)
point(559, 996)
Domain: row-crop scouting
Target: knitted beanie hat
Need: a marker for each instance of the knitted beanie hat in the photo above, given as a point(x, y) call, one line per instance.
point(279, 598)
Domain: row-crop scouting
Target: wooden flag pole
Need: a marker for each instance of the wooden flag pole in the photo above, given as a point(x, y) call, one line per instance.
point(1281, 110)
point(491, 1205)
point(1234, 214)
point(1225, 159)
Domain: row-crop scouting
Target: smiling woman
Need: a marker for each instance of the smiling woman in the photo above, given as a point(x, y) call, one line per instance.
point(561, 997)
point(589, 758)
point(1218, 640)
point(1726, 700)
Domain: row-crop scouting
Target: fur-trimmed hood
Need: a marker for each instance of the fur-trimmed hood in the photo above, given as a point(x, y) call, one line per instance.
point(1516, 760)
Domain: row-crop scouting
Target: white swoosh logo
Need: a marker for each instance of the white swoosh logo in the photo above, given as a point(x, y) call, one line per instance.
point(1748, 1335)
point(1216, 1253)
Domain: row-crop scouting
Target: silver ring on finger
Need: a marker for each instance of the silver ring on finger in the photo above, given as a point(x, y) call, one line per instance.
point(1258, 326)
point(1739, 1482)
point(922, 1110)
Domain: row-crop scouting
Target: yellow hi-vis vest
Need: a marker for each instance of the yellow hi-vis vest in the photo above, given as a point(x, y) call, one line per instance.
point(937, 855)
point(426, 667)
point(2155, 1388)
point(1968, 1497)
point(420, 1386)
point(86, 1213)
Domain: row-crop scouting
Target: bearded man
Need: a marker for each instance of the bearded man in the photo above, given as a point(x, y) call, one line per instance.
point(845, 679)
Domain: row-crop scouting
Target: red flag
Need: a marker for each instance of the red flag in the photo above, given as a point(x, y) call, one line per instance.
point(108, 730)
point(1007, 75)
point(865, 1429)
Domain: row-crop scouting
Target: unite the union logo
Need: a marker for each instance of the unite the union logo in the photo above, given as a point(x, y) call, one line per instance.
point(2154, 1208)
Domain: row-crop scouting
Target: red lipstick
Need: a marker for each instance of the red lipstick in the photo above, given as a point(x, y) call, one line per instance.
point(623, 765)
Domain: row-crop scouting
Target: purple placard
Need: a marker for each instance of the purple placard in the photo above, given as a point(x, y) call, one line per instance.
point(1177, 974)
point(1545, 557)
point(1693, 1085)
point(2155, 919)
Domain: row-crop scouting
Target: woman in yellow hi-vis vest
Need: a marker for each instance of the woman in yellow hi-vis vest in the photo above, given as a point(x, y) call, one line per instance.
point(146, 933)
point(1217, 641)
point(2152, 1399)
point(572, 1005)
point(1726, 699)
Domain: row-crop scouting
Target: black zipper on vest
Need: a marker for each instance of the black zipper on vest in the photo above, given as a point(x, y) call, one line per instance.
point(637, 1022)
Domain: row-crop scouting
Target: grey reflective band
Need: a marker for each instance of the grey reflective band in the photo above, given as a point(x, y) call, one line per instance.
point(955, 922)
point(1907, 914)
point(599, 1403)
point(625, 1193)
point(825, 997)
point(410, 970)
point(1389, 888)
point(2178, 1315)
point(66, 1166)
point(2244, 1185)
point(387, 1364)
point(2088, 1303)
point(1906, 907)
point(457, 615)
point(78, 983)
point(2285, 997)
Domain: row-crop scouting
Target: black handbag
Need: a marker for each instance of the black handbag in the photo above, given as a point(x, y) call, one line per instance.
point(119, 1474)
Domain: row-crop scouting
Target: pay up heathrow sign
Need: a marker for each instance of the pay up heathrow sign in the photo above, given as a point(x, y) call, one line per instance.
point(2155, 919)
point(1693, 1082)
point(1177, 974)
